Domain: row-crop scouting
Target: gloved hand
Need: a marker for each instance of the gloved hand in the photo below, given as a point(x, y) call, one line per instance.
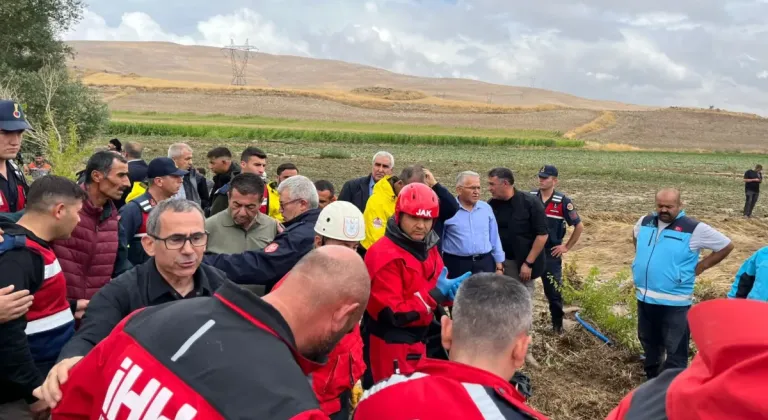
point(449, 287)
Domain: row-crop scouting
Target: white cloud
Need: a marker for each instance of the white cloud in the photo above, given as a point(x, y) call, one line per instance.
point(134, 26)
point(763, 74)
point(247, 24)
point(371, 7)
point(602, 76)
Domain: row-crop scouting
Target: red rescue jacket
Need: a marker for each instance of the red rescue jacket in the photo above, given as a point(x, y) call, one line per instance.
point(401, 285)
point(21, 190)
point(726, 379)
point(344, 368)
point(440, 390)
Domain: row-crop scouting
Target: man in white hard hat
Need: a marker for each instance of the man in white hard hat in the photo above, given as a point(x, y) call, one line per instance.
point(339, 223)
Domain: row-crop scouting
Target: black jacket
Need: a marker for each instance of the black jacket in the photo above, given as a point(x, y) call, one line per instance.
point(356, 192)
point(19, 374)
point(232, 356)
point(138, 288)
point(521, 219)
point(137, 172)
point(220, 180)
point(196, 188)
point(448, 208)
point(268, 266)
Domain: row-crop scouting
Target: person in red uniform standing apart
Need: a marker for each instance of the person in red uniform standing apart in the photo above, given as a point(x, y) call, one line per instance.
point(13, 185)
point(408, 282)
point(474, 383)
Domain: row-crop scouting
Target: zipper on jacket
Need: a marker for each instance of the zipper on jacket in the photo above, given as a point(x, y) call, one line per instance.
point(648, 264)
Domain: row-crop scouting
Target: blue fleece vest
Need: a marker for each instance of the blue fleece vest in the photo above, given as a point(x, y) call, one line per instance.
point(664, 268)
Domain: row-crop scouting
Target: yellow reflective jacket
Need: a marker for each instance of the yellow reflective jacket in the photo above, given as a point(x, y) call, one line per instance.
point(137, 189)
point(380, 207)
point(274, 202)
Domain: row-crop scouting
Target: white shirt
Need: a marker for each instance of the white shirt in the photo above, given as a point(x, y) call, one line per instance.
point(704, 236)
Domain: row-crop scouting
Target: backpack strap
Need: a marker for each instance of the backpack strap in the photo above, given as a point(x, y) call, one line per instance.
point(12, 242)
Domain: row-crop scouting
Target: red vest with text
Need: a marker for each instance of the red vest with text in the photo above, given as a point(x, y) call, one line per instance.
point(21, 191)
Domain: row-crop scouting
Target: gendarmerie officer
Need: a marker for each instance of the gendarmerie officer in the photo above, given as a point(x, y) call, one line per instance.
point(560, 214)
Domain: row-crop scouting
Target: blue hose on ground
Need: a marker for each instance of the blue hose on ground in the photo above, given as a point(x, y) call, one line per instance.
point(592, 329)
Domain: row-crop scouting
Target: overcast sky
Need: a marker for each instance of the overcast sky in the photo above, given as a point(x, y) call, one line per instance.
point(650, 52)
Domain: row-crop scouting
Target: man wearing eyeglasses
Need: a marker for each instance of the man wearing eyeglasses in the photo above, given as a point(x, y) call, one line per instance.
point(175, 241)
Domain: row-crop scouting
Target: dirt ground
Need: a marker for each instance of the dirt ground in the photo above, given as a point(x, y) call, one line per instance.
point(671, 129)
point(323, 110)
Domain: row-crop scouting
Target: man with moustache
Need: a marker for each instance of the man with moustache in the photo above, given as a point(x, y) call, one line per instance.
point(175, 242)
point(667, 247)
point(93, 255)
point(233, 356)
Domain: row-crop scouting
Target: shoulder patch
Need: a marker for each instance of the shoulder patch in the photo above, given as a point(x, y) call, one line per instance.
point(271, 248)
point(377, 223)
point(569, 206)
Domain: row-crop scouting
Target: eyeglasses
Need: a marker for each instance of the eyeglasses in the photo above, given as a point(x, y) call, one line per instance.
point(176, 242)
point(283, 205)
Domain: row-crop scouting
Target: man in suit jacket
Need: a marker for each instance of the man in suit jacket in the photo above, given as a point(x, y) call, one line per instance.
point(358, 190)
point(137, 168)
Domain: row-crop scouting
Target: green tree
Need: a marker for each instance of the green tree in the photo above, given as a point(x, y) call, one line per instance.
point(33, 67)
point(30, 29)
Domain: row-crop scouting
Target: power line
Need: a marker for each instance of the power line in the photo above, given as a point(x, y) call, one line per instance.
point(238, 57)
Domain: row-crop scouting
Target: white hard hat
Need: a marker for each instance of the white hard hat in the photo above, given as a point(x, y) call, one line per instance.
point(342, 221)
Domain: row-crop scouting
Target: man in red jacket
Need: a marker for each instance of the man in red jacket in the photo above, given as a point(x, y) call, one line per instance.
point(725, 380)
point(408, 283)
point(93, 255)
point(340, 223)
point(487, 339)
point(194, 359)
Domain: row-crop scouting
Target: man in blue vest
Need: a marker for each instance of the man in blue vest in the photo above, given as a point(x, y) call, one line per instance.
point(667, 247)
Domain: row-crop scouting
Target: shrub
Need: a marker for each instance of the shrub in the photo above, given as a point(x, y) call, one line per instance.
point(335, 154)
point(67, 156)
point(609, 305)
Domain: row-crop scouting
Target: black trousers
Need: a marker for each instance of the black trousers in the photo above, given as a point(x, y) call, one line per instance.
point(346, 406)
point(553, 281)
point(663, 329)
point(458, 265)
point(750, 202)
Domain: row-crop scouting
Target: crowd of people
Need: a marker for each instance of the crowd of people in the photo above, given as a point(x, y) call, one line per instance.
point(141, 291)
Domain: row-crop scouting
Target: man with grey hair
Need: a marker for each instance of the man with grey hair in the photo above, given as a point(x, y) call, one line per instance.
point(299, 206)
point(175, 242)
point(193, 185)
point(471, 237)
point(475, 382)
point(357, 191)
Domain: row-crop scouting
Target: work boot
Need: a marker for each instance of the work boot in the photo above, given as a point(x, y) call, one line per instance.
point(557, 326)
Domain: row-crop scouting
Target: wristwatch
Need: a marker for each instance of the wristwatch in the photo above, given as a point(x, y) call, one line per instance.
point(527, 263)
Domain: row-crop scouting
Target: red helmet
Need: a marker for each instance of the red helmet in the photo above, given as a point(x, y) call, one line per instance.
point(417, 200)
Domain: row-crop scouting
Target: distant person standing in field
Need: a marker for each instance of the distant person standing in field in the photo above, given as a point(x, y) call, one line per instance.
point(667, 247)
point(193, 185)
point(115, 145)
point(752, 180)
point(220, 163)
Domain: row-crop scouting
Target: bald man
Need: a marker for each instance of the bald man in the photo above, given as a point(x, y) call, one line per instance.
point(667, 248)
point(199, 353)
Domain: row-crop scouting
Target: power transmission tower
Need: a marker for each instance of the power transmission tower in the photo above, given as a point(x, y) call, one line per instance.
point(238, 56)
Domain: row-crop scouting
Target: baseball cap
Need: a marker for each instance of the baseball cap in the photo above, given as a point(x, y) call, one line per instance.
point(163, 166)
point(547, 171)
point(12, 117)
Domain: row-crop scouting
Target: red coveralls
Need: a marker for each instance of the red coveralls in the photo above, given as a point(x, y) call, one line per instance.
point(344, 368)
point(400, 308)
point(440, 390)
point(725, 380)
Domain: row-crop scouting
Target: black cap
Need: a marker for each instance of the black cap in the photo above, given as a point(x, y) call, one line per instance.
point(547, 171)
point(12, 117)
point(163, 166)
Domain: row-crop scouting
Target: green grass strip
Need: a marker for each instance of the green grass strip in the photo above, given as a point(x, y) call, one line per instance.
point(256, 133)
